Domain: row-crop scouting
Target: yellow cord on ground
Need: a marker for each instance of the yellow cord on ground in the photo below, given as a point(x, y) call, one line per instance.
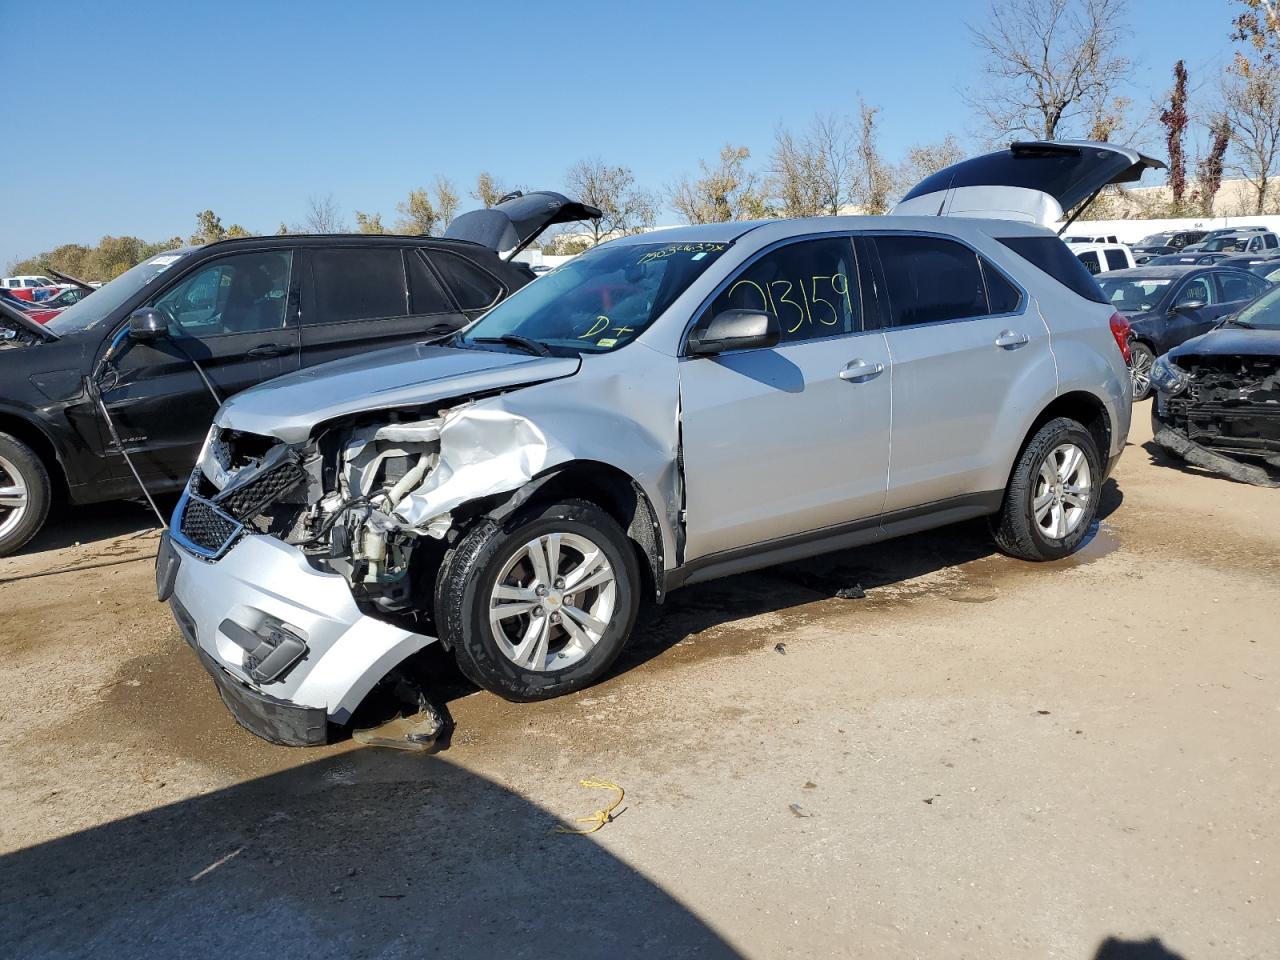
point(600, 817)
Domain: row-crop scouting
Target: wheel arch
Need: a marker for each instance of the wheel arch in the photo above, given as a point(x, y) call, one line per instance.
point(611, 489)
point(1085, 408)
point(20, 428)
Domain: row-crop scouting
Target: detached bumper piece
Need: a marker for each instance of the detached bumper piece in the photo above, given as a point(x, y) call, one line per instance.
point(1177, 442)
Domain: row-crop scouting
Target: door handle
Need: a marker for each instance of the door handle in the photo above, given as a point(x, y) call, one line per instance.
point(860, 371)
point(268, 350)
point(1011, 339)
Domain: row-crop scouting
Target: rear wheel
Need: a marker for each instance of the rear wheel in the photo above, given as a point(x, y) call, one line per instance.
point(1142, 359)
point(24, 494)
point(542, 605)
point(1052, 497)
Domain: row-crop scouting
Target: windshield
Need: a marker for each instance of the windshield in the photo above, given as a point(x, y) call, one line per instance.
point(1135, 294)
point(1263, 313)
point(599, 301)
point(1224, 243)
point(93, 310)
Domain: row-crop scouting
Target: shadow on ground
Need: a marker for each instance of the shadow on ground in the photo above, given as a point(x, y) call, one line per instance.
point(1114, 948)
point(352, 856)
point(69, 525)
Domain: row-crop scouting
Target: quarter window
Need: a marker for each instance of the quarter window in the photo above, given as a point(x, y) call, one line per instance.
point(246, 293)
point(425, 293)
point(1003, 296)
point(931, 279)
point(810, 286)
point(349, 283)
point(473, 288)
point(1091, 262)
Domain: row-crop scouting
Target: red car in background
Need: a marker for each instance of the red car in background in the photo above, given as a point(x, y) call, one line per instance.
point(32, 310)
point(31, 288)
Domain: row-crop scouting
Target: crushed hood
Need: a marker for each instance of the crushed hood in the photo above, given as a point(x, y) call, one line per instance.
point(1230, 342)
point(1031, 182)
point(289, 407)
point(516, 222)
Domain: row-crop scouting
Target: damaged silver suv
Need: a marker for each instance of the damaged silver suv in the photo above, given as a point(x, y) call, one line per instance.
point(662, 410)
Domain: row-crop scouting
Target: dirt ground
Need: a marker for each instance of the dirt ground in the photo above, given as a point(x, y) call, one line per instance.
point(981, 758)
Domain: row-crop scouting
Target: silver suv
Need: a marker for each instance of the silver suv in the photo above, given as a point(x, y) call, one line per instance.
point(662, 410)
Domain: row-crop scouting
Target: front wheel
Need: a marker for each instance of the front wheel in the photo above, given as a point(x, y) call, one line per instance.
point(542, 605)
point(1142, 360)
point(1052, 497)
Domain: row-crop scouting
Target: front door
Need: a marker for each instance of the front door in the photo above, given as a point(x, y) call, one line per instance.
point(229, 316)
point(964, 342)
point(794, 438)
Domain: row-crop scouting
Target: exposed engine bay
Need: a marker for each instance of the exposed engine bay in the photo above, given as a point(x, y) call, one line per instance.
point(14, 334)
point(354, 498)
point(1230, 410)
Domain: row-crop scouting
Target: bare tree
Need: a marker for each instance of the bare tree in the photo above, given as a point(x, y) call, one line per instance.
point(812, 174)
point(727, 191)
point(323, 216)
point(873, 179)
point(1252, 107)
point(1209, 169)
point(446, 200)
point(418, 214)
point(624, 207)
point(488, 191)
point(1047, 62)
point(924, 160)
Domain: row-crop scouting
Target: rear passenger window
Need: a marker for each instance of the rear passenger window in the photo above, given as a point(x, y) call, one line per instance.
point(1002, 295)
point(1238, 286)
point(473, 288)
point(1116, 260)
point(810, 286)
point(425, 293)
point(931, 279)
point(1270, 241)
point(355, 284)
point(1091, 262)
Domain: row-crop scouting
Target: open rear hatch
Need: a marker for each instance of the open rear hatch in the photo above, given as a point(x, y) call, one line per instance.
point(1031, 182)
point(518, 220)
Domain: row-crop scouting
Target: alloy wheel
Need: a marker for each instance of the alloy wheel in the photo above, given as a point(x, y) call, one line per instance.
point(1063, 491)
point(552, 602)
point(1140, 372)
point(14, 497)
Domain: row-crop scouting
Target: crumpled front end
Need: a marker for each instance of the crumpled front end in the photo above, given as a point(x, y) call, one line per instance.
point(1222, 412)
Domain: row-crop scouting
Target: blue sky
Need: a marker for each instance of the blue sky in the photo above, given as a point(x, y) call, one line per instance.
point(158, 110)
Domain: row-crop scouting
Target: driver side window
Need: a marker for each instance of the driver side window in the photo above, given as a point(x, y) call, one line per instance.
point(1199, 290)
point(244, 293)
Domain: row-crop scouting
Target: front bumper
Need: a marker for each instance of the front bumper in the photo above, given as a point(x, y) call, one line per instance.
point(259, 580)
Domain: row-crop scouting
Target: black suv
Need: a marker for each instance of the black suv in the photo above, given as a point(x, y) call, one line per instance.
point(137, 365)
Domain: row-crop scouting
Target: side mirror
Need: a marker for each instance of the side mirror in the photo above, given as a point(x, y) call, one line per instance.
point(148, 323)
point(1189, 306)
point(736, 330)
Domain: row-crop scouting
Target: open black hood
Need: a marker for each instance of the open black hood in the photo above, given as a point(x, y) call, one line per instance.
point(1036, 181)
point(14, 321)
point(518, 220)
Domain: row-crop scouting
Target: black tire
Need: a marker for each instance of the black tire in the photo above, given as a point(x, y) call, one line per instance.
point(34, 477)
point(1015, 527)
point(469, 574)
point(1142, 358)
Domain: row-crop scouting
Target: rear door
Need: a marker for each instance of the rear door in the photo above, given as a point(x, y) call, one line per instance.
point(1032, 182)
point(1235, 289)
point(360, 298)
point(234, 316)
point(962, 337)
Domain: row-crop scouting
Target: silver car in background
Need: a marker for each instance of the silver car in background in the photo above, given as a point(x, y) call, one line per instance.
point(662, 410)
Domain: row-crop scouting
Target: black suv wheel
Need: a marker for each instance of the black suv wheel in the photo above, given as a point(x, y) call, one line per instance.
point(24, 494)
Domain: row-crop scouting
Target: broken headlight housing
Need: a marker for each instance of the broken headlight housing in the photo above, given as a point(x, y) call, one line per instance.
point(1169, 378)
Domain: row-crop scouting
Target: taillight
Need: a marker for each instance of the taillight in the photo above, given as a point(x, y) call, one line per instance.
point(1120, 330)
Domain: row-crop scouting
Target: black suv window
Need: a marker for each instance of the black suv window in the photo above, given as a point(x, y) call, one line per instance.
point(245, 293)
point(353, 283)
point(1239, 286)
point(810, 286)
point(931, 279)
point(473, 288)
point(425, 293)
